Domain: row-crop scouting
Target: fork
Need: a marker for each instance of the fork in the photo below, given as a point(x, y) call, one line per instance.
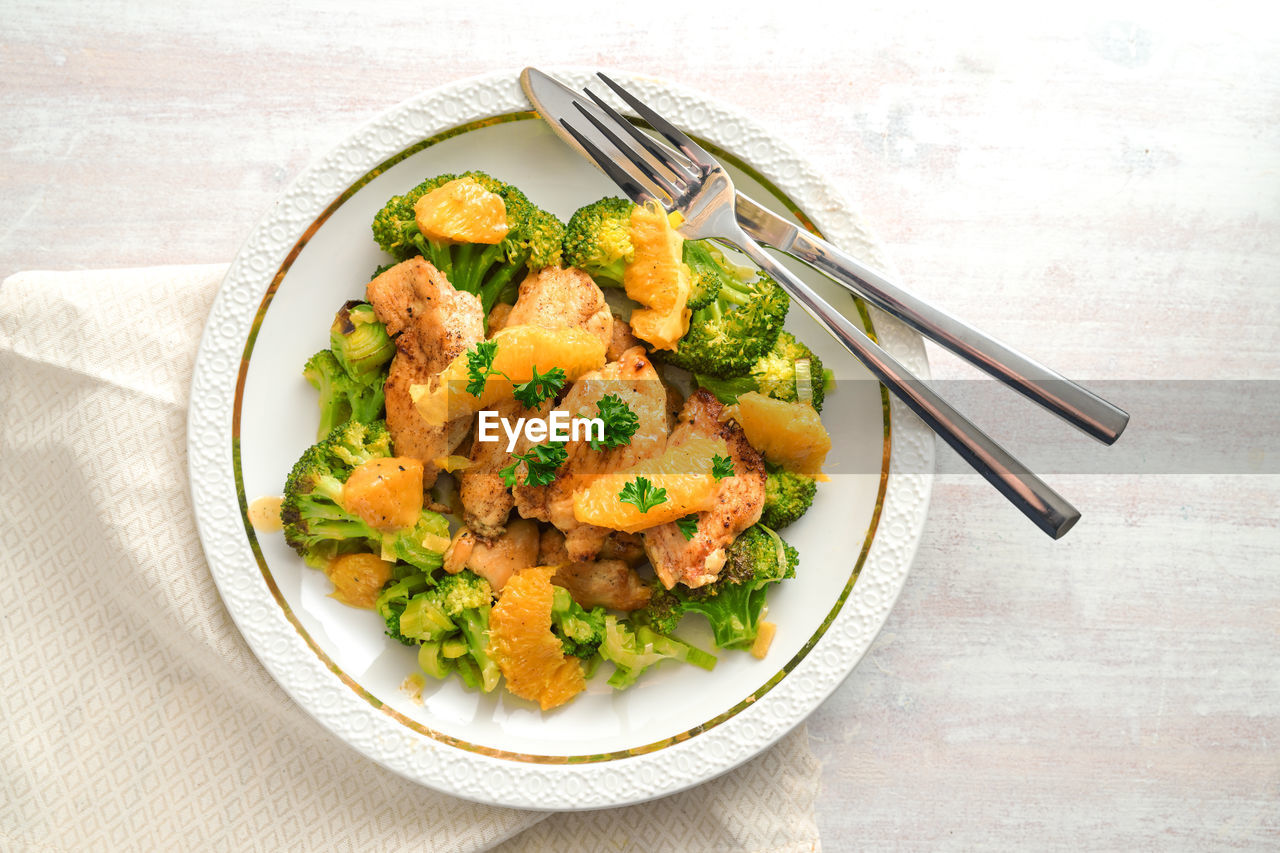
point(694, 184)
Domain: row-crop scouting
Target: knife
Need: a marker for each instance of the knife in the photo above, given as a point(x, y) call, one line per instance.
point(1073, 403)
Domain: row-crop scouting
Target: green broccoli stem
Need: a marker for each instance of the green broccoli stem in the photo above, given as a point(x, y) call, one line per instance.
point(733, 291)
point(727, 391)
point(475, 627)
point(734, 614)
point(432, 660)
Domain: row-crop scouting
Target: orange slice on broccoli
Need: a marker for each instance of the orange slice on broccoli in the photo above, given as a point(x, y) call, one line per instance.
point(529, 655)
point(658, 279)
point(787, 434)
point(462, 211)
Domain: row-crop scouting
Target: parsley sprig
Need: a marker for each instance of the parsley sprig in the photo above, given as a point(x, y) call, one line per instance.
point(620, 422)
point(641, 493)
point(721, 467)
point(688, 525)
point(540, 387)
point(531, 394)
point(540, 465)
point(480, 366)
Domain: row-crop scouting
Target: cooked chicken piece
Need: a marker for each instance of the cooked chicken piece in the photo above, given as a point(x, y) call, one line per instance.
point(495, 560)
point(621, 339)
point(675, 402)
point(486, 500)
point(530, 501)
point(627, 547)
point(498, 317)
point(608, 583)
point(633, 379)
point(554, 297)
point(433, 324)
point(737, 504)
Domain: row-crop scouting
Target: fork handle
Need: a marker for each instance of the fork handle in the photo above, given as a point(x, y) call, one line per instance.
point(1046, 508)
point(1073, 403)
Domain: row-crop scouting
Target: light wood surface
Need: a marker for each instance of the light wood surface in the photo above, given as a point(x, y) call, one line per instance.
point(1098, 186)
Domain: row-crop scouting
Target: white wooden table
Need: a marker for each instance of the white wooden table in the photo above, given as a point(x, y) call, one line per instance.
point(1099, 187)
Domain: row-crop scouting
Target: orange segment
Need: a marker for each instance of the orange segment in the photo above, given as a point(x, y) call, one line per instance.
point(358, 578)
point(521, 643)
point(462, 211)
point(520, 349)
point(788, 434)
point(684, 472)
point(385, 491)
point(658, 279)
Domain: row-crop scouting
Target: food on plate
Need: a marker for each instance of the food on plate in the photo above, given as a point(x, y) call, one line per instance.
point(319, 524)
point(787, 496)
point(694, 554)
point(658, 279)
point(788, 434)
point(351, 374)
point(490, 271)
point(735, 601)
point(432, 324)
point(789, 371)
point(461, 383)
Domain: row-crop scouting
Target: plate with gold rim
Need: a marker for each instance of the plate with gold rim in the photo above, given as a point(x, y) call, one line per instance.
point(252, 414)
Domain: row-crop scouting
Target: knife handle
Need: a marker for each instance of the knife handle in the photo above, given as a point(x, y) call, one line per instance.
point(1073, 403)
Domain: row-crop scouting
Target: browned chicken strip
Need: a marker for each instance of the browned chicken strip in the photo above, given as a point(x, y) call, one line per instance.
point(554, 297)
point(633, 379)
point(621, 339)
point(432, 323)
point(486, 500)
point(737, 504)
point(609, 583)
point(498, 559)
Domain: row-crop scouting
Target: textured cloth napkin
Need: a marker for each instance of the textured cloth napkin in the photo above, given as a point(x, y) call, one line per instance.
point(135, 717)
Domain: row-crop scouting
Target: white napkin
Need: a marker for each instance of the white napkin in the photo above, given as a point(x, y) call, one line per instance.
point(135, 716)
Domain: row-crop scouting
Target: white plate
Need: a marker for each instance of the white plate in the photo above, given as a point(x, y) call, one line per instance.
point(252, 414)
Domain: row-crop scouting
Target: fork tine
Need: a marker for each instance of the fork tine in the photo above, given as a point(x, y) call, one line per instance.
point(671, 160)
point(695, 152)
point(638, 194)
point(637, 159)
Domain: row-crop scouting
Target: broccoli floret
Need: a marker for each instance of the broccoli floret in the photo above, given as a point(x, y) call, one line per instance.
point(421, 546)
point(632, 650)
point(490, 271)
point(350, 377)
point(742, 323)
point(360, 342)
point(773, 375)
point(775, 372)
point(787, 496)
point(318, 527)
point(341, 397)
point(710, 272)
point(663, 611)
point(393, 599)
point(448, 618)
point(581, 631)
point(597, 240)
point(315, 523)
point(733, 603)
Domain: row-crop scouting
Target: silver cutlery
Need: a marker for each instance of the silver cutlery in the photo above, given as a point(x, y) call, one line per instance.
point(694, 184)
